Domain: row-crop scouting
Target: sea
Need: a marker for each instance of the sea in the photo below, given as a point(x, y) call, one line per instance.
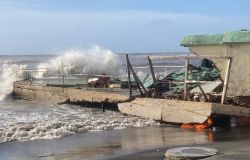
point(40, 130)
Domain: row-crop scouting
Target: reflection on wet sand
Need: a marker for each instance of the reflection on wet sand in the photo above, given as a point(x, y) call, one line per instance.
point(108, 144)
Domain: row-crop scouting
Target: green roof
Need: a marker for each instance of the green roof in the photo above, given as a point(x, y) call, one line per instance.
point(237, 37)
point(217, 39)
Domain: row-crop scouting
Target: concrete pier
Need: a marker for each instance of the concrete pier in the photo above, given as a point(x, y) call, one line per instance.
point(175, 111)
point(56, 94)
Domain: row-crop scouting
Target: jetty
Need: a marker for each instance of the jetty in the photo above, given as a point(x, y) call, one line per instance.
point(217, 89)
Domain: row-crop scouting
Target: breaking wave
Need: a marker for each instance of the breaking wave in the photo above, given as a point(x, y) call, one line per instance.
point(50, 122)
point(95, 60)
point(9, 74)
point(23, 121)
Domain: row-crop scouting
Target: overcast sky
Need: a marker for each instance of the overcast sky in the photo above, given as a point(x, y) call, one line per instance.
point(52, 26)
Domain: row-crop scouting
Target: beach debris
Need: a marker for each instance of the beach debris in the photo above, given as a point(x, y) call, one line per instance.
point(189, 153)
point(208, 91)
point(171, 86)
point(99, 82)
point(199, 126)
point(92, 80)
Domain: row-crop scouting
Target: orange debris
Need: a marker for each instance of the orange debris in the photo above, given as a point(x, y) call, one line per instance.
point(208, 123)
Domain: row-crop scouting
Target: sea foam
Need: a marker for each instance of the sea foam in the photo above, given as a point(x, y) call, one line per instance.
point(55, 121)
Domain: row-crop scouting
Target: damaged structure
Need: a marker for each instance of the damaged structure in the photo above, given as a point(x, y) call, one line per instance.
point(225, 93)
point(187, 94)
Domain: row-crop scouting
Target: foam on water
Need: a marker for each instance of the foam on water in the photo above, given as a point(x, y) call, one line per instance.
point(54, 121)
point(23, 121)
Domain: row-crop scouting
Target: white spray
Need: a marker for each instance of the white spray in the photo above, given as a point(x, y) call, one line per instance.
point(10, 73)
point(96, 60)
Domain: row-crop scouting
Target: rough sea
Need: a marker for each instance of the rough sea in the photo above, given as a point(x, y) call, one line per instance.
point(22, 120)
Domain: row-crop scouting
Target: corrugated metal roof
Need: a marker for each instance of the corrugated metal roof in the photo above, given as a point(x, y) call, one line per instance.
point(217, 39)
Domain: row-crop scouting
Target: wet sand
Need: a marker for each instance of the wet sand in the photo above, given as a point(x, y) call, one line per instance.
point(232, 150)
point(130, 143)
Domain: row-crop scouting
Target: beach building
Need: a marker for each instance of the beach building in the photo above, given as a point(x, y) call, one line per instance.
point(232, 44)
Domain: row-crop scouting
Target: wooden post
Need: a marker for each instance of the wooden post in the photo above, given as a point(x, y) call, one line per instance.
point(199, 85)
point(153, 76)
point(139, 83)
point(129, 78)
point(152, 69)
point(136, 78)
point(186, 78)
point(103, 106)
point(225, 85)
point(203, 93)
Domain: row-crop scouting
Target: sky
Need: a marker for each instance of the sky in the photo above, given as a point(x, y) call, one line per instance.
point(123, 26)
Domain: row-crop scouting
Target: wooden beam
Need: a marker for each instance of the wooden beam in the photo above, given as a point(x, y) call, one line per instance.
point(199, 85)
point(152, 69)
point(136, 78)
point(203, 93)
point(186, 78)
point(226, 80)
point(190, 82)
point(185, 56)
point(129, 78)
point(144, 67)
point(153, 76)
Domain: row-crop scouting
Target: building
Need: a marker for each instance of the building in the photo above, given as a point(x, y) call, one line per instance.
point(233, 44)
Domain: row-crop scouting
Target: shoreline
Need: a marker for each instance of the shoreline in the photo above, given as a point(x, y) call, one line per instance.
point(231, 150)
point(129, 143)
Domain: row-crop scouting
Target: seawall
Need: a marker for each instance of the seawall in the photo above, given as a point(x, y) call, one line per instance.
point(55, 94)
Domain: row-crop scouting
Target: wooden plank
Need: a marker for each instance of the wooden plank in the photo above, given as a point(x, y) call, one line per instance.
point(136, 78)
point(225, 85)
point(185, 56)
point(186, 78)
point(203, 93)
point(169, 66)
point(129, 78)
point(152, 70)
point(153, 77)
point(144, 67)
point(164, 81)
point(199, 85)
